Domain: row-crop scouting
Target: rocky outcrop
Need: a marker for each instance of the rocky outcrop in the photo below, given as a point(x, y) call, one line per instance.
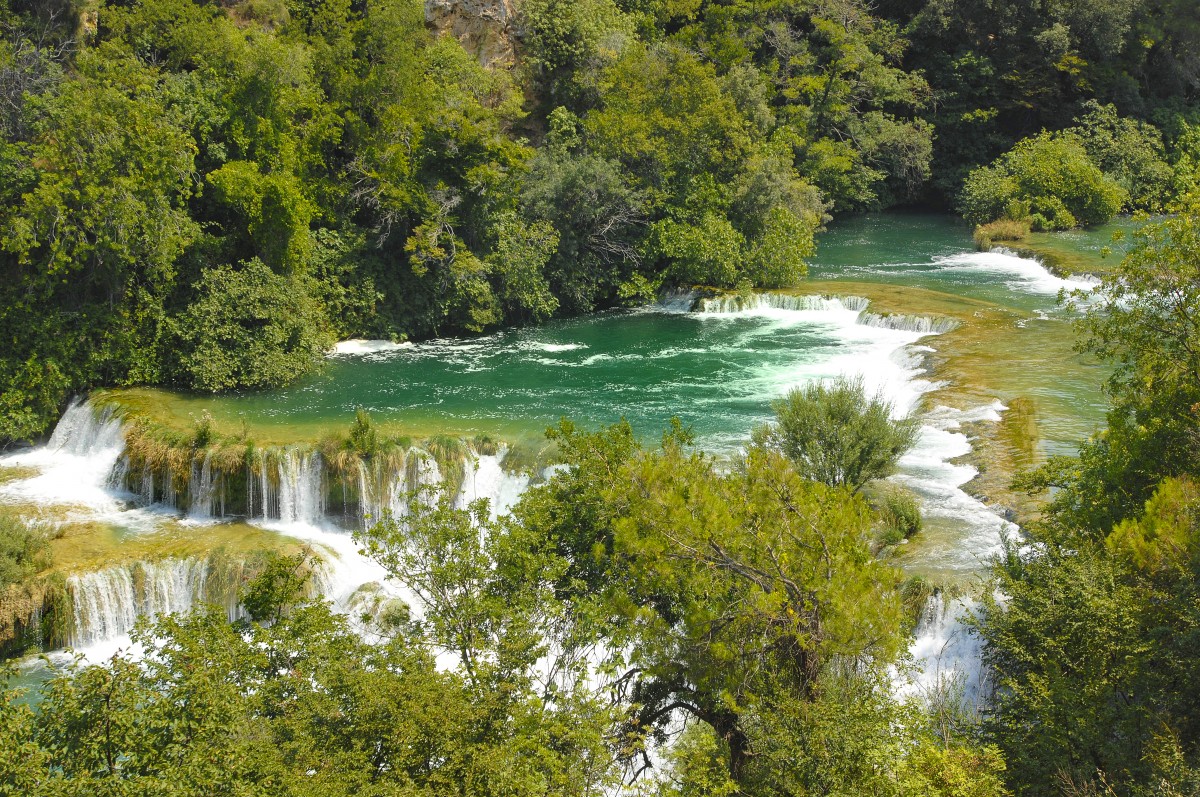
point(485, 28)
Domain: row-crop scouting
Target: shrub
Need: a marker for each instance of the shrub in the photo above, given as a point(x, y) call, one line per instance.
point(1053, 176)
point(1001, 230)
point(834, 433)
point(23, 550)
point(900, 512)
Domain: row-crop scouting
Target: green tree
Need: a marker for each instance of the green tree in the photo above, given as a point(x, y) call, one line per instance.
point(725, 595)
point(1049, 178)
point(1130, 152)
point(833, 433)
point(249, 327)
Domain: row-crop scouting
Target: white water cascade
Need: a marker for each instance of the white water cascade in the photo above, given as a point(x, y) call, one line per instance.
point(486, 478)
point(948, 656)
point(738, 303)
point(76, 465)
point(108, 602)
point(205, 490)
point(301, 487)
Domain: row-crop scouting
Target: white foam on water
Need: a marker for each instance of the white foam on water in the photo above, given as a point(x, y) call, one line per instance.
point(360, 346)
point(550, 348)
point(928, 470)
point(862, 345)
point(1021, 273)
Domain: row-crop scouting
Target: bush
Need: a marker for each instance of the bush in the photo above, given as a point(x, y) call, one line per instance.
point(1051, 175)
point(1130, 152)
point(1001, 230)
point(900, 512)
point(836, 434)
point(249, 327)
point(23, 550)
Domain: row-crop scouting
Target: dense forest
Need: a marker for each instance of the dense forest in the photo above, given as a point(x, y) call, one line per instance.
point(207, 194)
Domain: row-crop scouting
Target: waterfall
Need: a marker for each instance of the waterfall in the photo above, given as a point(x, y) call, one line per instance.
point(206, 492)
point(946, 652)
point(85, 431)
point(146, 488)
point(737, 303)
point(77, 465)
point(108, 603)
point(676, 301)
point(924, 325)
point(301, 487)
point(486, 478)
point(383, 490)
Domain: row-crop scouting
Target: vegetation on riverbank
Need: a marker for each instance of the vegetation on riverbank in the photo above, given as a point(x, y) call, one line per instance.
point(205, 194)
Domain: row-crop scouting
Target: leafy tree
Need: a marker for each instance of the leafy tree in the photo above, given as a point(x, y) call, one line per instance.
point(1130, 152)
point(279, 584)
point(249, 327)
point(565, 40)
point(598, 218)
point(1050, 179)
point(717, 602)
point(1093, 650)
point(519, 259)
point(835, 434)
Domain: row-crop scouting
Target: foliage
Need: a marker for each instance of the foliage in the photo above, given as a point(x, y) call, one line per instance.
point(899, 510)
point(781, 592)
point(249, 327)
point(1050, 178)
point(1000, 230)
point(23, 550)
point(1144, 325)
point(1129, 151)
point(1094, 651)
point(834, 433)
point(277, 587)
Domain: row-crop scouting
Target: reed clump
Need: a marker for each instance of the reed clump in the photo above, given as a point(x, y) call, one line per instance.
point(987, 235)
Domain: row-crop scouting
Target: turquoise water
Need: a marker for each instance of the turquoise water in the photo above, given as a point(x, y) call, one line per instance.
point(718, 372)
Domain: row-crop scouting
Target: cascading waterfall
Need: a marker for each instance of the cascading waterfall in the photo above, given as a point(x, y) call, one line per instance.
point(924, 325)
point(206, 491)
point(301, 487)
point(76, 466)
point(486, 478)
point(947, 653)
point(85, 431)
point(107, 603)
point(738, 303)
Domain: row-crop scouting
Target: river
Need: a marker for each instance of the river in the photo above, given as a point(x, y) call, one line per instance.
point(976, 344)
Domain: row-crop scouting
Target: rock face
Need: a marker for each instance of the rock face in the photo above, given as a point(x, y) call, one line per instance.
point(485, 28)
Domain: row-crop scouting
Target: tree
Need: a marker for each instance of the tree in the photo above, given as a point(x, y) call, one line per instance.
point(1048, 178)
point(833, 433)
point(721, 596)
point(249, 327)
